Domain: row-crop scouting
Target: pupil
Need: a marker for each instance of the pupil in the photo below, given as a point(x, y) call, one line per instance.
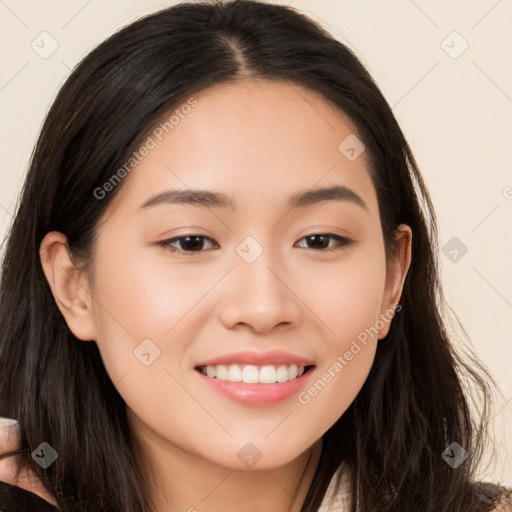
point(197, 245)
point(316, 237)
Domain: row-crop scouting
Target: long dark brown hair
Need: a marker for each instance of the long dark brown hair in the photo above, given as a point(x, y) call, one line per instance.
point(418, 396)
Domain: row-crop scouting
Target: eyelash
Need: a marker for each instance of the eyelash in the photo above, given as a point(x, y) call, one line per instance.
point(341, 242)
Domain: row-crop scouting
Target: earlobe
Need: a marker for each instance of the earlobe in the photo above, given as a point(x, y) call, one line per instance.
point(395, 276)
point(68, 284)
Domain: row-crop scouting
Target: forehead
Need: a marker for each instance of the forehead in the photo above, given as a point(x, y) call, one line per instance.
point(259, 142)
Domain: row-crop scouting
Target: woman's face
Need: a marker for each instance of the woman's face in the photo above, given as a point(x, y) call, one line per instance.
point(260, 281)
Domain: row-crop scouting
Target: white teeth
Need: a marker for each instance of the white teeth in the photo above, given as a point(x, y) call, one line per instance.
point(222, 372)
point(252, 374)
point(234, 373)
point(267, 375)
point(282, 374)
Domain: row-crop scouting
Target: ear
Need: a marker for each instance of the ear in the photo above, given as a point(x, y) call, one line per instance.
point(68, 284)
point(396, 270)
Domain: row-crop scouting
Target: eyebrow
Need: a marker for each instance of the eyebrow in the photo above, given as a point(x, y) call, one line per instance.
point(207, 198)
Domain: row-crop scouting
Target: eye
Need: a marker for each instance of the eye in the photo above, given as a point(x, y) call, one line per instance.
point(193, 244)
point(190, 244)
point(321, 241)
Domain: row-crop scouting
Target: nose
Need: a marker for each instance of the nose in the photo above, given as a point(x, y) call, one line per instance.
point(260, 297)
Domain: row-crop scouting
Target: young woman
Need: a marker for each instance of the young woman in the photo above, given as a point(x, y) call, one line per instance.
point(220, 290)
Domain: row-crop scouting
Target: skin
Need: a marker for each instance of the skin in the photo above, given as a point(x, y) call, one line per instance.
point(294, 297)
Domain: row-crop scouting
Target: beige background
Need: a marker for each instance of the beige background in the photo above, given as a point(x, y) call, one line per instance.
point(454, 106)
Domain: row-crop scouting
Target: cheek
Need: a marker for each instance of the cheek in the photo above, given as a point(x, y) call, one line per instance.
point(336, 384)
point(140, 297)
point(139, 316)
point(347, 297)
point(350, 310)
point(144, 294)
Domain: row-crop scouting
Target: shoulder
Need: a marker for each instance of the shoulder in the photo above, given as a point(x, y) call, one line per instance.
point(501, 494)
point(503, 508)
point(338, 496)
point(505, 504)
point(504, 501)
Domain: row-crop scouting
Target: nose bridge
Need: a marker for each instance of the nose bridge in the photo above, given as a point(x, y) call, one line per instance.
point(258, 293)
point(258, 278)
point(255, 270)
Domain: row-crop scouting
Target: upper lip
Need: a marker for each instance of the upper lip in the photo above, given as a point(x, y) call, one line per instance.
point(274, 357)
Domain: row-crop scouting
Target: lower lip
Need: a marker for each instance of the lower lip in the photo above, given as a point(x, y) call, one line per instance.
point(257, 394)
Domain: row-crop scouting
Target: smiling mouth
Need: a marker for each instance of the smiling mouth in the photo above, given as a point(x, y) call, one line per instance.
point(254, 374)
